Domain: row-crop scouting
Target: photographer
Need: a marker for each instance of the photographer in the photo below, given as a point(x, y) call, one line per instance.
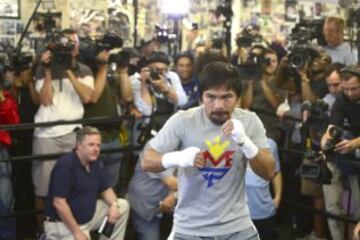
point(346, 110)
point(301, 73)
point(339, 50)
point(333, 192)
point(313, 85)
point(184, 66)
point(262, 93)
point(108, 95)
point(27, 99)
point(64, 85)
point(157, 90)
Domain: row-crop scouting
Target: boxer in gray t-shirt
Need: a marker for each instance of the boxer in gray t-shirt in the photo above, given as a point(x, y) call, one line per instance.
point(211, 146)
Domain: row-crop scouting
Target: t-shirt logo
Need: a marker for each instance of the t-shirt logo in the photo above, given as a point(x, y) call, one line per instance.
point(218, 161)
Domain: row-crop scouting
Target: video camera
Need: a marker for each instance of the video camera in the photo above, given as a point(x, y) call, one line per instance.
point(60, 47)
point(252, 69)
point(90, 48)
point(335, 134)
point(307, 30)
point(318, 116)
point(300, 55)
point(15, 61)
point(108, 41)
point(224, 9)
point(162, 34)
point(248, 38)
point(301, 50)
point(20, 62)
point(120, 59)
point(316, 170)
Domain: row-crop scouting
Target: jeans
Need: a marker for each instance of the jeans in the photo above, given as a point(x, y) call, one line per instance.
point(7, 225)
point(246, 234)
point(111, 162)
point(146, 230)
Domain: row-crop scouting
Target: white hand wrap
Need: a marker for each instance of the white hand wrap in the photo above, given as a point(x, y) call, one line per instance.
point(183, 158)
point(249, 149)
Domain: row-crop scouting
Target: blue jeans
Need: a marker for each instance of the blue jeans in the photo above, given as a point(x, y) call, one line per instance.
point(111, 162)
point(7, 225)
point(146, 230)
point(246, 234)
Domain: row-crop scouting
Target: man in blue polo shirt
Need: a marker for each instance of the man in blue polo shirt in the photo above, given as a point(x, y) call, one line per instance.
point(73, 208)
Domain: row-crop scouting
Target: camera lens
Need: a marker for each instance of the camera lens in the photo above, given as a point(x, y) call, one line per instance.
point(296, 60)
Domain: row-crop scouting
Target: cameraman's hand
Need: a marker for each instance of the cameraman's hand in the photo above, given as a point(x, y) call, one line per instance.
point(283, 108)
point(160, 84)
point(305, 115)
point(303, 72)
point(345, 146)
point(46, 59)
point(103, 57)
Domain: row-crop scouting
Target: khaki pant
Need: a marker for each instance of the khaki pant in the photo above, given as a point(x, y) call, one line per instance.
point(58, 230)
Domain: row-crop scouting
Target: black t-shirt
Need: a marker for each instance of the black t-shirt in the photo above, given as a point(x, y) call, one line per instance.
point(343, 109)
point(319, 88)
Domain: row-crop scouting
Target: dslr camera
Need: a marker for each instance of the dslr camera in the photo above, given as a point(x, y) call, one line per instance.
point(155, 74)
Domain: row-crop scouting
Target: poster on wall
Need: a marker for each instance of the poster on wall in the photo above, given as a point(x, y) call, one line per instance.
point(266, 7)
point(291, 12)
point(46, 22)
point(9, 8)
point(121, 22)
point(88, 22)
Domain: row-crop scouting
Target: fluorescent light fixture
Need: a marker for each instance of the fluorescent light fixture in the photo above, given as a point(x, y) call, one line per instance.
point(177, 7)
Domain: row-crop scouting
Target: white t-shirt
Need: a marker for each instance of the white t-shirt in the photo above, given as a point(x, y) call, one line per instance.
point(66, 105)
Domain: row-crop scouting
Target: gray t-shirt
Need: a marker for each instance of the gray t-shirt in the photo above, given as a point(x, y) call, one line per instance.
point(342, 54)
point(146, 190)
point(211, 200)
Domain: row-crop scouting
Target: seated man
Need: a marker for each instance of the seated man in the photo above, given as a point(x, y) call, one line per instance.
point(72, 207)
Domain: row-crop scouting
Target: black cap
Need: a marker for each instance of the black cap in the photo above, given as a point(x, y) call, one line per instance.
point(158, 57)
